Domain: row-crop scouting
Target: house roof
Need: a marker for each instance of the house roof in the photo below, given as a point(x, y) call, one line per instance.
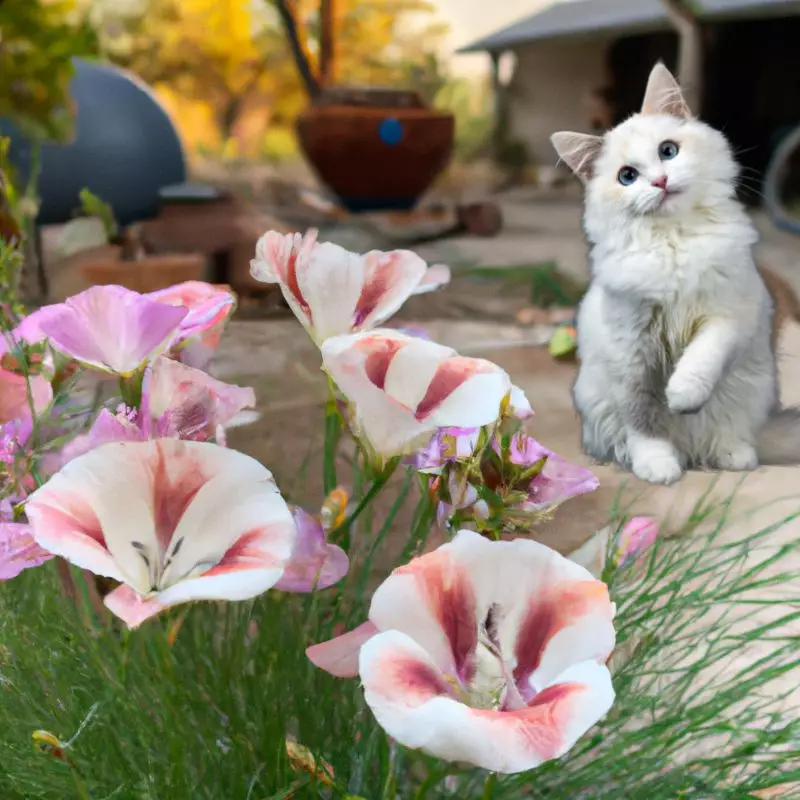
point(573, 17)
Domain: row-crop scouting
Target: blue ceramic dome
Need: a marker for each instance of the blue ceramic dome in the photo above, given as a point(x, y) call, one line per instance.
point(125, 148)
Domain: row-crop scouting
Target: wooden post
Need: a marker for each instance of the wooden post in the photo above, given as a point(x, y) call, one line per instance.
point(327, 42)
point(499, 122)
point(690, 50)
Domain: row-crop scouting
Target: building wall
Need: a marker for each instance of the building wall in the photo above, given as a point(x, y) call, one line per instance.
point(548, 90)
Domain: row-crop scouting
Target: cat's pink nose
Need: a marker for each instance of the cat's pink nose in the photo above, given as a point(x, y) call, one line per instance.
point(660, 183)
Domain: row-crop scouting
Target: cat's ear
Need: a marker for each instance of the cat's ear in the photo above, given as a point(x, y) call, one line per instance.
point(578, 151)
point(663, 94)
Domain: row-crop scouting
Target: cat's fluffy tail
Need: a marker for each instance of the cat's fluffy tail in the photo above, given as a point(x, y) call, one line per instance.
point(779, 440)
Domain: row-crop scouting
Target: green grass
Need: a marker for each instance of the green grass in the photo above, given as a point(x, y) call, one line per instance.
point(207, 716)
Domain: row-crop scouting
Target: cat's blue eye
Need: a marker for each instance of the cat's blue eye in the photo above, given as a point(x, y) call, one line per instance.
point(667, 150)
point(627, 175)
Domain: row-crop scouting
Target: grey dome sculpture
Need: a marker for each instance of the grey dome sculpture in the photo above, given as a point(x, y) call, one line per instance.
point(125, 149)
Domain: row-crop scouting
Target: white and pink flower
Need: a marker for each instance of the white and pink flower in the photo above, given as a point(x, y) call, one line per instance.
point(333, 291)
point(403, 389)
point(491, 653)
point(173, 521)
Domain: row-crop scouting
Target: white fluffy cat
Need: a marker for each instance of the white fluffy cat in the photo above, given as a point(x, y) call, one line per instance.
point(676, 368)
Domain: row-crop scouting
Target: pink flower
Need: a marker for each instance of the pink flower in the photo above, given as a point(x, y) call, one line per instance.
point(404, 389)
point(178, 400)
point(314, 564)
point(173, 521)
point(209, 307)
point(18, 550)
point(14, 401)
point(108, 328)
point(447, 445)
point(638, 535)
point(333, 291)
point(13, 438)
point(491, 653)
point(558, 481)
point(525, 451)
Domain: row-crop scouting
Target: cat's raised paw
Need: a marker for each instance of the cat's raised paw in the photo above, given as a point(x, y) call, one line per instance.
point(687, 393)
point(738, 458)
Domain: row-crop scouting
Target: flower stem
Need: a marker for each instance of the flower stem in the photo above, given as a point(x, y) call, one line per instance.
point(488, 787)
point(341, 533)
point(333, 432)
point(131, 390)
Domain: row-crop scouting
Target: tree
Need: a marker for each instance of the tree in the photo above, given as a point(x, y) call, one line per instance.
point(39, 40)
point(226, 53)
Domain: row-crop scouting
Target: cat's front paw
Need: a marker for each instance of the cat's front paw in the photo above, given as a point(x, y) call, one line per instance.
point(655, 461)
point(737, 457)
point(687, 393)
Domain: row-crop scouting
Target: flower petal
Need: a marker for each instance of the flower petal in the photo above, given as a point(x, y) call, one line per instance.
point(111, 328)
point(638, 534)
point(19, 550)
point(389, 280)
point(209, 307)
point(188, 403)
point(433, 600)
point(412, 703)
point(331, 280)
point(64, 522)
point(558, 481)
point(276, 261)
point(339, 656)
point(106, 428)
point(436, 276)
point(314, 564)
point(520, 406)
point(405, 388)
point(14, 401)
point(131, 607)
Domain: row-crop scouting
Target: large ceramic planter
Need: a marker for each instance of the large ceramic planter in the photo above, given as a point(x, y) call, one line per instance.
point(375, 150)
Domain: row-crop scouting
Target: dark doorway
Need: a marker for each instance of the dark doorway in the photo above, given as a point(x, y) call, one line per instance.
point(752, 84)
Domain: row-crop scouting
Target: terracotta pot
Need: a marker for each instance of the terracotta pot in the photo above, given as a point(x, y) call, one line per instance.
point(147, 274)
point(376, 150)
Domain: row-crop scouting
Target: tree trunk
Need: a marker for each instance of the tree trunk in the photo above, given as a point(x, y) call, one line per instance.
point(300, 58)
point(327, 42)
point(690, 50)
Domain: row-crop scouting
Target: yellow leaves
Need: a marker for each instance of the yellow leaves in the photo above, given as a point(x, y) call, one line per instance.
point(303, 760)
